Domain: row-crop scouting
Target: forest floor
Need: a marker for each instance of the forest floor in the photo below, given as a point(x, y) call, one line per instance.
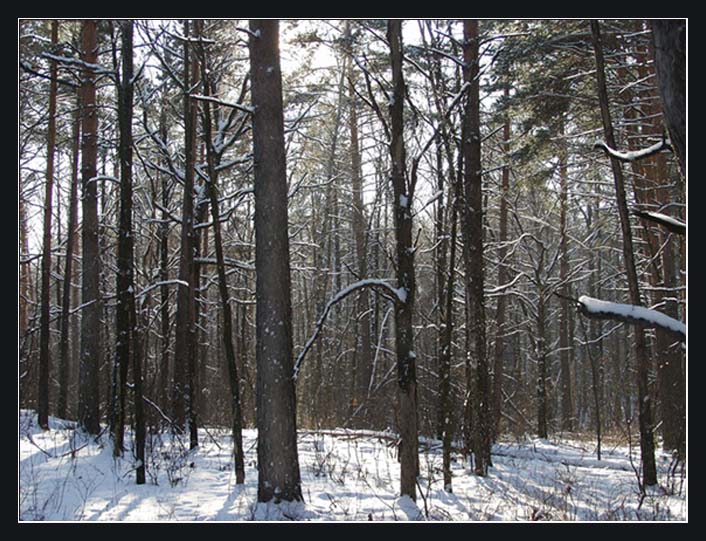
point(346, 476)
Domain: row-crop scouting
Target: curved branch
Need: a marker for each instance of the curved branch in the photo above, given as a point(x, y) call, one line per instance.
point(634, 155)
point(399, 296)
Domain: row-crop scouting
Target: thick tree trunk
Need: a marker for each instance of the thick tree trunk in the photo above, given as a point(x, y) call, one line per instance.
point(649, 471)
point(91, 345)
point(44, 330)
point(278, 462)
point(404, 332)
point(473, 251)
point(670, 60)
point(182, 398)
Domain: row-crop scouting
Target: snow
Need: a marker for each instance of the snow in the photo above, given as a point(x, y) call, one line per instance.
point(666, 219)
point(629, 311)
point(346, 476)
point(630, 156)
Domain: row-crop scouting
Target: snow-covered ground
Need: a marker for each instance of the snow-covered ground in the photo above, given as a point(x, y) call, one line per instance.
point(345, 476)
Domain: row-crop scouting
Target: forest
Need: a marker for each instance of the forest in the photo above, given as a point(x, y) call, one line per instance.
point(357, 269)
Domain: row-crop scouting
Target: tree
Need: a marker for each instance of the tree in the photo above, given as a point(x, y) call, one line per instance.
point(90, 360)
point(403, 193)
point(212, 190)
point(478, 387)
point(127, 347)
point(44, 360)
point(278, 462)
point(183, 397)
point(649, 471)
point(670, 60)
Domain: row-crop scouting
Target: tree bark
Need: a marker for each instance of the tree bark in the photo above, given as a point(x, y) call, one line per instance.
point(44, 330)
point(91, 351)
point(404, 333)
point(473, 250)
point(182, 398)
point(278, 463)
point(649, 471)
point(670, 61)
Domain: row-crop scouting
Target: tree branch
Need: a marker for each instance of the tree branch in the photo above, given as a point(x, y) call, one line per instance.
point(399, 295)
point(634, 315)
point(672, 224)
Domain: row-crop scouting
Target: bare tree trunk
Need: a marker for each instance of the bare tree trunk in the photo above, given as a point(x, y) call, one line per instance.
point(91, 345)
point(44, 330)
point(473, 251)
point(670, 60)
point(212, 188)
point(64, 361)
point(503, 276)
point(649, 471)
point(182, 400)
point(163, 236)
point(567, 403)
point(278, 462)
point(404, 333)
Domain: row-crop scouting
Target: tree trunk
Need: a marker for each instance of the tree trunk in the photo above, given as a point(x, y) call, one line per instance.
point(567, 403)
point(503, 276)
point(212, 188)
point(404, 332)
point(649, 471)
point(542, 406)
point(44, 330)
point(278, 462)
point(670, 61)
point(91, 345)
point(473, 250)
point(64, 361)
point(182, 399)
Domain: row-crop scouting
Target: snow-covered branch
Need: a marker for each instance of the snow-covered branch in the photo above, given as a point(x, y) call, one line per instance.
point(672, 224)
point(635, 315)
point(238, 106)
point(631, 156)
point(399, 295)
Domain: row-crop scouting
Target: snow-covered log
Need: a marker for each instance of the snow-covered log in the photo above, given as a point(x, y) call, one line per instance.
point(631, 156)
point(635, 315)
point(672, 224)
point(398, 294)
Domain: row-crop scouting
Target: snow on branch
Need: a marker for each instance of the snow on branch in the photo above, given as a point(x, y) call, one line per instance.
point(238, 106)
point(635, 315)
point(672, 224)
point(399, 295)
point(634, 155)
